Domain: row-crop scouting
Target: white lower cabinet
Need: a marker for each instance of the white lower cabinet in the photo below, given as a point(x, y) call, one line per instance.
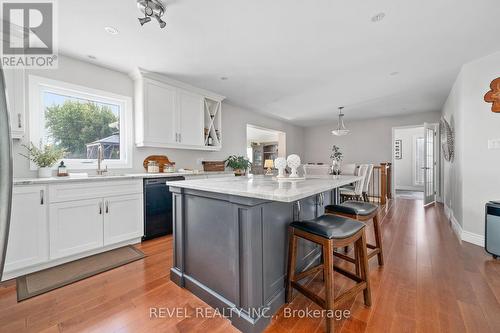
point(75, 227)
point(28, 242)
point(123, 218)
point(56, 223)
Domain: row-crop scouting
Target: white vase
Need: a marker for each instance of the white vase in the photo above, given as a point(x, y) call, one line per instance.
point(280, 164)
point(45, 172)
point(293, 162)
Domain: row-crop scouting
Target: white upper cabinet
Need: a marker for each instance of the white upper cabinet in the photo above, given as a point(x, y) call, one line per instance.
point(14, 83)
point(172, 114)
point(159, 113)
point(190, 118)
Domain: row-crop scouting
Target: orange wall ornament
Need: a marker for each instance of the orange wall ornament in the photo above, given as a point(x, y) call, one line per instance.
point(493, 96)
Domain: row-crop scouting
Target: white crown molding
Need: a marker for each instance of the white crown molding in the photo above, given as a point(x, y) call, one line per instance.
point(139, 73)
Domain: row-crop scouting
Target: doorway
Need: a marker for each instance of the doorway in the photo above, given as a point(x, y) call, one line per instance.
point(264, 144)
point(414, 157)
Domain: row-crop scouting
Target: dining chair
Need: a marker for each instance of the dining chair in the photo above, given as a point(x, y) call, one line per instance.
point(356, 193)
point(349, 169)
point(366, 184)
point(316, 170)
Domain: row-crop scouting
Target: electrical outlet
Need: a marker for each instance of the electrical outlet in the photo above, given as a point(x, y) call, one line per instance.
point(199, 161)
point(494, 144)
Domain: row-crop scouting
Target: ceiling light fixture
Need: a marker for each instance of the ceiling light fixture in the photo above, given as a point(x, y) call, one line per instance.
point(341, 129)
point(224, 78)
point(394, 73)
point(111, 30)
point(151, 8)
point(379, 17)
point(91, 57)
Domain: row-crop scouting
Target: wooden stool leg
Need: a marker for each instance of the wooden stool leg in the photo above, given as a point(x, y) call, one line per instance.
point(328, 273)
point(363, 262)
point(378, 240)
point(292, 253)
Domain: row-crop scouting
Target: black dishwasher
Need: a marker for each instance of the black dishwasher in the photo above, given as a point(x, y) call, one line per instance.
point(157, 207)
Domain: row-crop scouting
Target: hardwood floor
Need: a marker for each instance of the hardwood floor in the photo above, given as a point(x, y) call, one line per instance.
point(430, 283)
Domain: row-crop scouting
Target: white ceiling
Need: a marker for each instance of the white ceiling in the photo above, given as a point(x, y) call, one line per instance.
point(297, 60)
point(255, 134)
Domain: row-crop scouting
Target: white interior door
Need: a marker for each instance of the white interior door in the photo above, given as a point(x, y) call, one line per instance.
point(429, 163)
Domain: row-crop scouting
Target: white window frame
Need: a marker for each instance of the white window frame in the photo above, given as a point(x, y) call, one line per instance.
point(38, 85)
point(414, 162)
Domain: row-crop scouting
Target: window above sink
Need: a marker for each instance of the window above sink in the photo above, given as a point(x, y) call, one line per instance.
point(79, 119)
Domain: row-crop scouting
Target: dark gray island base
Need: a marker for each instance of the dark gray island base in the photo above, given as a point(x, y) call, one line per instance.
point(231, 250)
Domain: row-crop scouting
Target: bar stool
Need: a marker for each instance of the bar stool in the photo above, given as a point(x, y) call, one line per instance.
point(361, 211)
point(329, 231)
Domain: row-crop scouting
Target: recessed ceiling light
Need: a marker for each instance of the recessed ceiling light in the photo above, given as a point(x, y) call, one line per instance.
point(394, 73)
point(91, 57)
point(379, 17)
point(111, 30)
point(224, 78)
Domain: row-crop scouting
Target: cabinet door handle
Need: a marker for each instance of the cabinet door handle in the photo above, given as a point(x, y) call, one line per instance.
point(19, 125)
point(298, 209)
point(100, 208)
point(180, 137)
point(176, 137)
point(107, 206)
point(42, 195)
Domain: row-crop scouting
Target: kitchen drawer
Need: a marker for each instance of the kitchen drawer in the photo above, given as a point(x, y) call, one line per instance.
point(93, 189)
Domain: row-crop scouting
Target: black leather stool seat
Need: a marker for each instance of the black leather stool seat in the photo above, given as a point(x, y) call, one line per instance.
point(353, 208)
point(330, 226)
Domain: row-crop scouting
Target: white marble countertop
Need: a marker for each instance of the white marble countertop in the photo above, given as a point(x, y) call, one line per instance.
point(117, 176)
point(267, 187)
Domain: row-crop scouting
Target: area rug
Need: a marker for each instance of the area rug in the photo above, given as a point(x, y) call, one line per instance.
point(59, 276)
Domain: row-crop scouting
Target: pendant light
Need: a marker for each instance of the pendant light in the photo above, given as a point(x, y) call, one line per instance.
point(341, 129)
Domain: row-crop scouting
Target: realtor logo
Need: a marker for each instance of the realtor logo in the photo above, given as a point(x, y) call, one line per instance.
point(28, 34)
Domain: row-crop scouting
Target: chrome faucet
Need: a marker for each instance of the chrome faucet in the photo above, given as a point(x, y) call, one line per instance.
point(100, 158)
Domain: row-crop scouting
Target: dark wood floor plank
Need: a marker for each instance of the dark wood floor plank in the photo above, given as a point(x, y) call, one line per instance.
point(430, 283)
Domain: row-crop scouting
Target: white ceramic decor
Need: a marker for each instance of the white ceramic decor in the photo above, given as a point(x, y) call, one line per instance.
point(280, 164)
point(45, 172)
point(293, 162)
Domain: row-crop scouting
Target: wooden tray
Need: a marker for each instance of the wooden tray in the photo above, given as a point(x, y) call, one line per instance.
point(161, 159)
point(213, 165)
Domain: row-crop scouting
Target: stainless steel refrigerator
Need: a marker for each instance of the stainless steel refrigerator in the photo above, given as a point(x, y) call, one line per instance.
point(5, 172)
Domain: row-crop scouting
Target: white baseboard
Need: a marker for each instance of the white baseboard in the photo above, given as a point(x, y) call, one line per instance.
point(461, 234)
point(470, 237)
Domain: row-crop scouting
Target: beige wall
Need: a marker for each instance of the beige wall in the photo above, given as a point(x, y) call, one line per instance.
point(473, 178)
point(368, 142)
point(404, 168)
point(234, 120)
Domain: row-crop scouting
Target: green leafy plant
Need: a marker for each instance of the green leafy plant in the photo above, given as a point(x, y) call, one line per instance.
point(238, 162)
point(336, 154)
point(45, 156)
point(74, 124)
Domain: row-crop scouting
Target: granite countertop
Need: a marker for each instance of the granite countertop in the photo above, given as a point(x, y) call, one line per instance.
point(267, 187)
point(117, 176)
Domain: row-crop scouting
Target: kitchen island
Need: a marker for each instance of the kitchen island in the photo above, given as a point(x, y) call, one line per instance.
point(230, 240)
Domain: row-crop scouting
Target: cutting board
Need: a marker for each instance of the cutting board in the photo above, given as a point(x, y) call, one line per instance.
point(161, 159)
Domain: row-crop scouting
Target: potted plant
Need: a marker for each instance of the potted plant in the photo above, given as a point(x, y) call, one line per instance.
point(336, 158)
point(44, 157)
point(239, 164)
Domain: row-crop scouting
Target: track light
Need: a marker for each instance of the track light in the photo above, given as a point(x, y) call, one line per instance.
point(143, 20)
point(151, 8)
point(160, 21)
